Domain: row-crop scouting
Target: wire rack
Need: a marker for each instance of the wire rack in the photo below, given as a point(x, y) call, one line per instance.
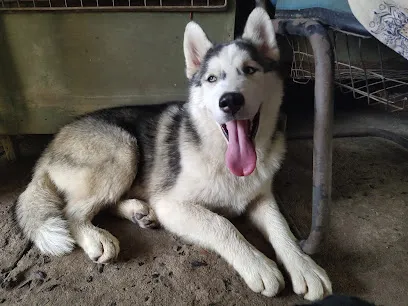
point(134, 5)
point(363, 67)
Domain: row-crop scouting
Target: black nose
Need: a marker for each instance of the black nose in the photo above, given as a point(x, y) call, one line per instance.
point(232, 102)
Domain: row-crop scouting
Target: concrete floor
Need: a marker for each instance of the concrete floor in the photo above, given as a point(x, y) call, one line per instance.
point(366, 253)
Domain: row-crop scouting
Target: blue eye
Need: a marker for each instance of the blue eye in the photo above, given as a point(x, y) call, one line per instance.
point(249, 70)
point(212, 78)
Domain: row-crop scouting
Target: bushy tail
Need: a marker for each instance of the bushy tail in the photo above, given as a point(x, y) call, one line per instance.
point(39, 214)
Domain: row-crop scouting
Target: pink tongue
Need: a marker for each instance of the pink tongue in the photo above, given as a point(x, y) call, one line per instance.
point(241, 155)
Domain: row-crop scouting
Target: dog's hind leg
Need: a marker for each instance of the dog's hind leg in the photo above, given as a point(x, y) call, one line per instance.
point(98, 244)
point(92, 174)
point(102, 191)
point(102, 187)
point(136, 211)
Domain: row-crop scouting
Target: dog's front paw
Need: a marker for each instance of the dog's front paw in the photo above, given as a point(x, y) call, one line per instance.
point(308, 278)
point(261, 274)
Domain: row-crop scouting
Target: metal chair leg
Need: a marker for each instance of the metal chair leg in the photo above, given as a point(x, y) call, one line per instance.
point(323, 124)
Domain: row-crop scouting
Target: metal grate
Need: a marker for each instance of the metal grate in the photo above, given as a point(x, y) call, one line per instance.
point(381, 80)
point(118, 5)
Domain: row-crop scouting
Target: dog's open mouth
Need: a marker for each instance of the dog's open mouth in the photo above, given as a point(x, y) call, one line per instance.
point(241, 154)
point(252, 126)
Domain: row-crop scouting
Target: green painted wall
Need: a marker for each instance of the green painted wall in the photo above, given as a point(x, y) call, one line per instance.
point(57, 65)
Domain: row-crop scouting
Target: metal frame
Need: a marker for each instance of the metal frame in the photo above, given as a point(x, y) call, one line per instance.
point(379, 85)
point(383, 82)
point(319, 40)
point(113, 5)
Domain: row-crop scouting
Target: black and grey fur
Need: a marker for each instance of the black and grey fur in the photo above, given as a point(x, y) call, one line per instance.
point(166, 164)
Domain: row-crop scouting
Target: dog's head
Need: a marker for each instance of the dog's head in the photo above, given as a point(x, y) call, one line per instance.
point(229, 81)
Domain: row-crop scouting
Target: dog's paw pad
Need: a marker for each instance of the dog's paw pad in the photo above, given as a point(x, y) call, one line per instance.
point(146, 220)
point(138, 212)
point(138, 216)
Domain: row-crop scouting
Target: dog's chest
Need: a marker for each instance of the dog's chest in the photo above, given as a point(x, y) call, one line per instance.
point(204, 179)
point(219, 191)
point(229, 197)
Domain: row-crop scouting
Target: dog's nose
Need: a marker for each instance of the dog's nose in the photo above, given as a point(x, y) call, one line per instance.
point(231, 102)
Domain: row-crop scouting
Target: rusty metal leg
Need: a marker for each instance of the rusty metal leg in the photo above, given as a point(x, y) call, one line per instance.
point(323, 124)
point(322, 141)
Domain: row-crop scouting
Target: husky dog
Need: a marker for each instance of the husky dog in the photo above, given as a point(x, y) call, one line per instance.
point(186, 166)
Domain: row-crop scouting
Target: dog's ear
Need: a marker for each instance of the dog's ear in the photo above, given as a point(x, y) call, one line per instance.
point(196, 45)
point(260, 32)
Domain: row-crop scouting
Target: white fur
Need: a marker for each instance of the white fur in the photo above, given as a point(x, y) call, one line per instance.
point(259, 30)
point(53, 237)
point(100, 245)
point(107, 174)
point(307, 277)
point(227, 61)
point(50, 234)
point(103, 162)
point(196, 45)
point(206, 185)
point(199, 225)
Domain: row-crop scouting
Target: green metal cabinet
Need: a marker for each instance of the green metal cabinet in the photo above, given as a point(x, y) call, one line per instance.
point(56, 65)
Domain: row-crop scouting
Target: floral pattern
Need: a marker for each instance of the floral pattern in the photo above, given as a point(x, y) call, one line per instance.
point(390, 25)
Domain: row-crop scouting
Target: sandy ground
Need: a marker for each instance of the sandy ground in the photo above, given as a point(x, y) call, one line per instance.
point(365, 255)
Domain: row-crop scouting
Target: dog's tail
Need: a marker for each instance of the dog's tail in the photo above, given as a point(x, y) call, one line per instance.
point(38, 212)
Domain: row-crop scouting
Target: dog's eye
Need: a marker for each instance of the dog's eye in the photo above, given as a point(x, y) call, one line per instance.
point(212, 78)
point(249, 70)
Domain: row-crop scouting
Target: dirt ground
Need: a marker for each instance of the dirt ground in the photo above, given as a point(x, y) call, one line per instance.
point(366, 253)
